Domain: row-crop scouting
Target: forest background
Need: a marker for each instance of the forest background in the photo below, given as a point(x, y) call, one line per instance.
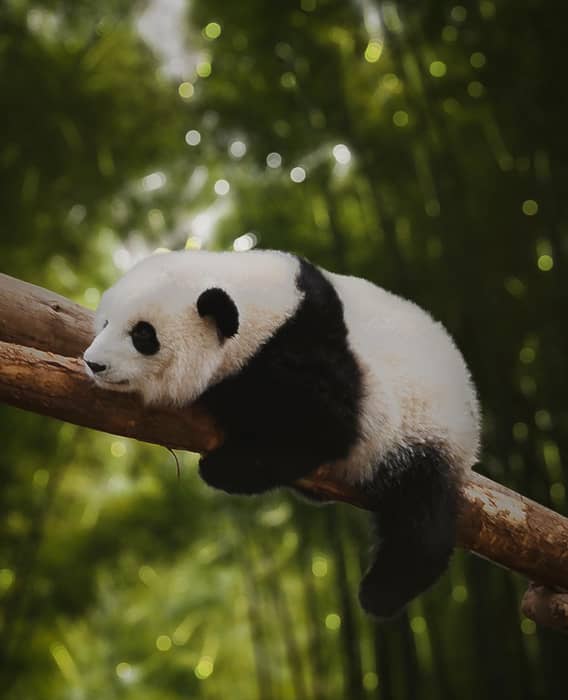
point(421, 145)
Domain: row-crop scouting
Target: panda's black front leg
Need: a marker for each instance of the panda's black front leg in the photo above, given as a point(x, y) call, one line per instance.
point(245, 469)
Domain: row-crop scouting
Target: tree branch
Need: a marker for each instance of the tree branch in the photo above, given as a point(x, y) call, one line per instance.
point(494, 521)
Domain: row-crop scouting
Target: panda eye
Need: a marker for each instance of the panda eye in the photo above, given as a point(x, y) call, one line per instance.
point(144, 338)
point(105, 324)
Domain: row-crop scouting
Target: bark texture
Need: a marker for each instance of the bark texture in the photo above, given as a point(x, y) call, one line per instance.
point(546, 606)
point(42, 335)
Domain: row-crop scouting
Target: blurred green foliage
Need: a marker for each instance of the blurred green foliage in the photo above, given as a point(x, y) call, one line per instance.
point(422, 145)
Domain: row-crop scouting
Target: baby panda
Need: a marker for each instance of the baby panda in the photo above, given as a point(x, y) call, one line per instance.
point(301, 367)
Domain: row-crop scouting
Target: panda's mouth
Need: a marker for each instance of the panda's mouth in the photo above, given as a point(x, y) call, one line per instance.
point(119, 386)
point(110, 383)
point(105, 381)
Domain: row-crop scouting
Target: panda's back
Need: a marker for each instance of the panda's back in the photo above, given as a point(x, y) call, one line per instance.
point(417, 386)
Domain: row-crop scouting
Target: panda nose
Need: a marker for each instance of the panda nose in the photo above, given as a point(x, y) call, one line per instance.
point(96, 367)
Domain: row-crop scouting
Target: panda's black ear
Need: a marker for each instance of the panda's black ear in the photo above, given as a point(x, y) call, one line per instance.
point(218, 304)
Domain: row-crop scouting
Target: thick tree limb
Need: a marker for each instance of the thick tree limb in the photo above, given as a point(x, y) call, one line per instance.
point(494, 522)
point(58, 386)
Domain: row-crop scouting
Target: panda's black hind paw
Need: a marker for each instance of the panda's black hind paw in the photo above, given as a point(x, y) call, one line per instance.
point(415, 521)
point(382, 602)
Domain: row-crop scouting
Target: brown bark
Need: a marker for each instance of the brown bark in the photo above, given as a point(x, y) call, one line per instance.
point(37, 318)
point(58, 386)
point(547, 607)
point(494, 521)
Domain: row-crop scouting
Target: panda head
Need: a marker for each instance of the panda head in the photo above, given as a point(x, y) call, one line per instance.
point(161, 335)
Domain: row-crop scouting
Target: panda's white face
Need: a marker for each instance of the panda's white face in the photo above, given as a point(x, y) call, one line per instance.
point(179, 322)
point(167, 358)
point(162, 342)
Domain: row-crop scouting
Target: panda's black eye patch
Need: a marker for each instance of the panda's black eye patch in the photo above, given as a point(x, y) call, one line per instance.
point(144, 338)
point(105, 324)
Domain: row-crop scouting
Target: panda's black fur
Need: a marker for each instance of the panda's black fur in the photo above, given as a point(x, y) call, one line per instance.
point(294, 407)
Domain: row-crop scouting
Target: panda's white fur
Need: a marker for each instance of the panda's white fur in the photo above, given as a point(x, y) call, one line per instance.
point(416, 385)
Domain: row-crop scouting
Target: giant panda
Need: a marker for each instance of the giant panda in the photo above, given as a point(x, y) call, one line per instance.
point(302, 367)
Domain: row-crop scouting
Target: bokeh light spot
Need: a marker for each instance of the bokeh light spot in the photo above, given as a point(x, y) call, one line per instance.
point(527, 355)
point(118, 448)
point(193, 137)
point(245, 242)
point(222, 187)
point(392, 82)
point(477, 59)
point(341, 153)
point(475, 89)
point(147, 574)
point(432, 208)
point(163, 643)
point(333, 621)
point(530, 207)
point(458, 13)
point(185, 90)
point(212, 30)
point(238, 149)
point(125, 671)
point(515, 287)
point(297, 174)
point(284, 51)
point(203, 69)
point(288, 80)
point(543, 419)
point(274, 160)
point(319, 566)
point(528, 627)
point(459, 593)
point(204, 667)
point(153, 181)
point(400, 118)
point(545, 263)
point(438, 69)
point(373, 51)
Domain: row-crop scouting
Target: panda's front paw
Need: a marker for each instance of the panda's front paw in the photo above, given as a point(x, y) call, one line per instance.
point(215, 474)
point(233, 472)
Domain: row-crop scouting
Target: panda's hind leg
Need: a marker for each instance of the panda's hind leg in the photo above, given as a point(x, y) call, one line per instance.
point(416, 528)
